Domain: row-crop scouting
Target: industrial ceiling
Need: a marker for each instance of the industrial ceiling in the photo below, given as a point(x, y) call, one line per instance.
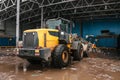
point(30, 10)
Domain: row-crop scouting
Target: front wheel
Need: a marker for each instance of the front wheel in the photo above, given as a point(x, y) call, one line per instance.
point(61, 56)
point(78, 54)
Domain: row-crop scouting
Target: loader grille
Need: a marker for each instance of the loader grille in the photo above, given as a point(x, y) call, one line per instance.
point(30, 40)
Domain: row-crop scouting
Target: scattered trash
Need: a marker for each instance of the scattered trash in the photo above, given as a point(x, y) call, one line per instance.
point(104, 77)
point(95, 68)
point(94, 79)
point(73, 69)
point(105, 64)
point(48, 78)
point(24, 68)
point(64, 68)
point(38, 71)
point(7, 76)
point(34, 75)
point(7, 50)
point(114, 68)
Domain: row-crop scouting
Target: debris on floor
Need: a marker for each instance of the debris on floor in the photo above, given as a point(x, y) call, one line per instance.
point(96, 67)
point(104, 77)
point(9, 76)
point(73, 69)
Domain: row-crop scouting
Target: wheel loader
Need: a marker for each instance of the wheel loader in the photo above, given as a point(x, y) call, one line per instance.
point(53, 44)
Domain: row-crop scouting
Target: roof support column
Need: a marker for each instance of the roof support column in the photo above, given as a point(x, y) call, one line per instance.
point(17, 22)
point(42, 18)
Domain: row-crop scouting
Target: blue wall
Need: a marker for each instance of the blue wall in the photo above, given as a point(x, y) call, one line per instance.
point(94, 27)
point(7, 41)
point(76, 28)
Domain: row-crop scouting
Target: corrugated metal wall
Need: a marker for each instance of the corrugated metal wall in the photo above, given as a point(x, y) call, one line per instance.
point(7, 33)
point(10, 27)
point(2, 28)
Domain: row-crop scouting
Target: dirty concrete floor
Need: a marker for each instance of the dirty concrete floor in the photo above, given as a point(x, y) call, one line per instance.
point(94, 68)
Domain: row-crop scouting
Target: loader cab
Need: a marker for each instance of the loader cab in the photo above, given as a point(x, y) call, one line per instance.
point(62, 25)
point(59, 23)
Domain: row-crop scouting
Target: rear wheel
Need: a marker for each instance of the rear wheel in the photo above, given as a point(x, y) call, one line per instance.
point(78, 54)
point(60, 56)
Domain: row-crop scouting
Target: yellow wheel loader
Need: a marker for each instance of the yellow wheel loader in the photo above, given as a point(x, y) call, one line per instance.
point(52, 44)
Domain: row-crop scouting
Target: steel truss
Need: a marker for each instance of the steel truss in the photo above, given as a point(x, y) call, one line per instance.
point(83, 9)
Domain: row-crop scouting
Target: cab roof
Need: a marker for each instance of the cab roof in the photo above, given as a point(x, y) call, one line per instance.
point(42, 29)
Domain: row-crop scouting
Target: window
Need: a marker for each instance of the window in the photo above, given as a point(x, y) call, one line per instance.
point(53, 33)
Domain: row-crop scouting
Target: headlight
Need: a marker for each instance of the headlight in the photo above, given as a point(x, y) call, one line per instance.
point(24, 33)
point(33, 33)
point(62, 33)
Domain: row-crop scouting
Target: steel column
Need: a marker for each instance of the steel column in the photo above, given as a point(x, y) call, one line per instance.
point(17, 22)
point(42, 17)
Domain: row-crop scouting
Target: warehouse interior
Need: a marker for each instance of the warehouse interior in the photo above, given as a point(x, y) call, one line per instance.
point(90, 17)
point(96, 21)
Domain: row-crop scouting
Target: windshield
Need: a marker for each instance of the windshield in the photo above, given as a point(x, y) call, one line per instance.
point(57, 24)
point(53, 23)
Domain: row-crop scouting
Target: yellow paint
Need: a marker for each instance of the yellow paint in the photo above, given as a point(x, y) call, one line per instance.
point(36, 51)
point(63, 56)
point(51, 41)
point(68, 45)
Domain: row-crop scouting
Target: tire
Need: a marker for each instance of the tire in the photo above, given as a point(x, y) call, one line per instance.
point(85, 54)
point(78, 54)
point(61, 56)
point(33, 61)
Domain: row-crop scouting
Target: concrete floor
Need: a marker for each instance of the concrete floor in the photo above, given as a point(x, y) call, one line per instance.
point(96, 67)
